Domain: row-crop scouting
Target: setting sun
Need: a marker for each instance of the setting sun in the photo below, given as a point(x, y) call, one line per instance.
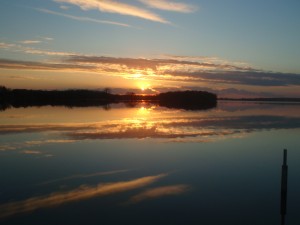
point(143, 86)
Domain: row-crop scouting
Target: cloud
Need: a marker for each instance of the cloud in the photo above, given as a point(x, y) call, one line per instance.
point(31, 152)
point(51, 141)
point(110, 6)
point(64, 7)
point(23, 77)
point(82, 193)
point(26, 42)
point(30, 50)
point(48, 38)
point(83, 19)
point(137, 63)
point(193, 70)
point(6, 45)
point(159, 192)
point(208, 60)
point(155, 63)
point(252, 78)
point(29, 65)
point(202, 70)
point(170, 6)
point(45, 52)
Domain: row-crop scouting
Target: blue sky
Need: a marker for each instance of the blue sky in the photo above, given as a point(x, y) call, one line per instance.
point(246, 47)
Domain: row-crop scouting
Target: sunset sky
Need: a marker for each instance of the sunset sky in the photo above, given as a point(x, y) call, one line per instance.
point(234, 48)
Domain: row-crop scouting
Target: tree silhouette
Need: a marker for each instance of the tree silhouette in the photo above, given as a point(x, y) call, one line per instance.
point(192, 100)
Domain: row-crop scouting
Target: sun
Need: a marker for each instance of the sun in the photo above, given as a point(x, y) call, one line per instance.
point(143, 86)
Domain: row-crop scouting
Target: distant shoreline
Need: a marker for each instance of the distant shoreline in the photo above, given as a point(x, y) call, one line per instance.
point(189, 100)
point(287, 100)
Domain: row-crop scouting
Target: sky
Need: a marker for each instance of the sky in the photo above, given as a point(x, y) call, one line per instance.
point(234, 48)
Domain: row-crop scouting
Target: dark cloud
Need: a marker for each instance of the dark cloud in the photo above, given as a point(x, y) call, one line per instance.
point(18, 64)
point(193, 71)
point(140, 63)
point(254, 78)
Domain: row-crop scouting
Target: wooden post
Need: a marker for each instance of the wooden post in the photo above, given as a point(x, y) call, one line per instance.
point(284, 177)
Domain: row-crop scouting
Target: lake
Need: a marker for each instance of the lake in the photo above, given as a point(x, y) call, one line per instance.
point(146, 164)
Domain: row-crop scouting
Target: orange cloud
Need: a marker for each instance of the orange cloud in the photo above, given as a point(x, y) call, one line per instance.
point(27, 42)
point(116, 7)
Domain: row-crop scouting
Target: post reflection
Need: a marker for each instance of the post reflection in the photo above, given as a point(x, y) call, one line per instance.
point(284, 179)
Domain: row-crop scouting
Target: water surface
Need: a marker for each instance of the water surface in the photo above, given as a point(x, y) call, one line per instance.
point(146, 164)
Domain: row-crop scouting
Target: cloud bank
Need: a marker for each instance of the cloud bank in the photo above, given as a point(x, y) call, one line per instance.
point(188, 70)
point(158, 69)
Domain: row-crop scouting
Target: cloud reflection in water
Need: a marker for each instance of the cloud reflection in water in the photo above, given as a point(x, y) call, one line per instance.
point(80, 176)
point(147, 121)
point(201, 129)
point(78, 194)
point(159, 192)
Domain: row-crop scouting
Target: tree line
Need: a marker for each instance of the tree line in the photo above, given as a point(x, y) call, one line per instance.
point(72, 98)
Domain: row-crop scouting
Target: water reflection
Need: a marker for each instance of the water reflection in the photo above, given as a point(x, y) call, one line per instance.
point(81, 193)
point(226, 165)
point(284, 179)
point(159, 192)
point(146, 121)
point(81, 176)
point(173, 127)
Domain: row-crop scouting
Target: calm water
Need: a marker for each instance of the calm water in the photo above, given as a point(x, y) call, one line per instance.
point(149, 165)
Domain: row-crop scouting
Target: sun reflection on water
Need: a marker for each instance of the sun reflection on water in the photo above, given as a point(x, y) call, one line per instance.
point(143, 120)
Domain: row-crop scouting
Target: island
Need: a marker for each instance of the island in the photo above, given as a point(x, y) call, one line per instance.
point(189, 100)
